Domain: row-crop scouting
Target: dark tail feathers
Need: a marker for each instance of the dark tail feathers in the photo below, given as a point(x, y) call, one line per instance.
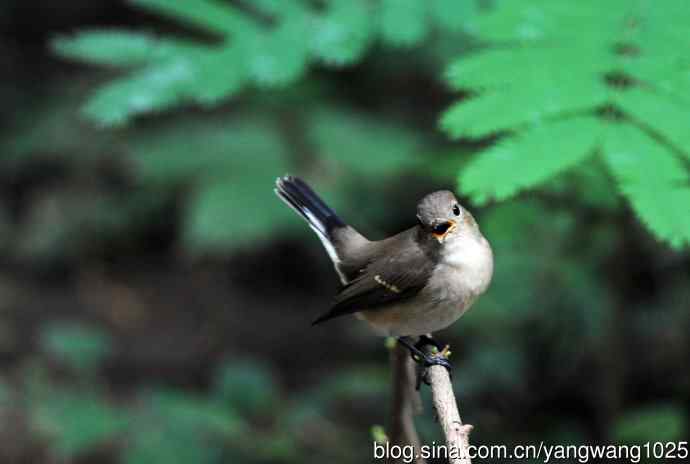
point(300, 197)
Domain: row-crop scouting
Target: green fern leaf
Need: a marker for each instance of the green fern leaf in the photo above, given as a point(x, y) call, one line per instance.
point(152, 89)
point(529, 158)
point(279, 58)
point(342, 33)
point(267, 43)
point(118, 47)
point(551, 19)
point(669, 118)
point(220, 145)
point(365, 145)
point(404, 22)
point(503, 68)
point(452, 15)
point(654, 181)
point(538, 67)
point(530, 104)
point(211, 15)
point(234, 211)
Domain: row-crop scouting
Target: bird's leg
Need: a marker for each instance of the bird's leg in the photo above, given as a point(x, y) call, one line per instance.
point(428, 340)
point(425, 359)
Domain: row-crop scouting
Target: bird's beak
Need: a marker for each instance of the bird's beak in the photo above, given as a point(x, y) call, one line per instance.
point(442, 229)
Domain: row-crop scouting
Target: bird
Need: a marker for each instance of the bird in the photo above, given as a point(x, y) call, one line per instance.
point(411, 284)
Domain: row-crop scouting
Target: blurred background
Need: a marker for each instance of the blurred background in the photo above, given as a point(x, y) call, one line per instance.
point(156, 298)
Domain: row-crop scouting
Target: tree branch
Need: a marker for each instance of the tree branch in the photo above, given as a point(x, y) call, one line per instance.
point(456, 433)
point(406, 400)
point(407, 404)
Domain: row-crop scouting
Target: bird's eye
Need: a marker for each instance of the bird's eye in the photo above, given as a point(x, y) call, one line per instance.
point(456, 210)
point(441, 228)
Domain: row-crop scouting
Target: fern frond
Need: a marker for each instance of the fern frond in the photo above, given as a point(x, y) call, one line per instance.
point(652, 179)
point(197, 147)
point(161, 86)
point(529, 104)
point(452, 15)
point(211, 15)
point(529, 158)
point(342, 33)
point(404, 22)
point(538, 65)
point(365, 145)
point(547, 20)
point(249, 50)
point(669, 118)
point(119, 47)
point(500, 68)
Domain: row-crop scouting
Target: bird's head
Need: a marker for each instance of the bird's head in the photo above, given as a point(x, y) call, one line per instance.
point(442, 217)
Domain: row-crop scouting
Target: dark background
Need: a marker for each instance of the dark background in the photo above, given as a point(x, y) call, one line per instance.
point(127, 335)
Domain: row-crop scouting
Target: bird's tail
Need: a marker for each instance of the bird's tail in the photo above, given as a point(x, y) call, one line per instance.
point(320, 217)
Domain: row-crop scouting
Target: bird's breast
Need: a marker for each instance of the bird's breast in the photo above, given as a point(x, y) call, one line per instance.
point(464, 270)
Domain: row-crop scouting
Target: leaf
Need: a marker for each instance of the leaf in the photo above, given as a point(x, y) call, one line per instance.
point(404, 22)
point(48, 127)
point(214, 16)
point(282, 57)
point(236, 211)
point(265, 44)
point(452, 15)
point(653, 423)
point(653, 180)
point(668, 118)
point(230, 165)
point(198, 146)
point(342, 33)
point(248, 387)
point(529, 158)
point(76, 421)
point(81, 347)
point(178, 427)
point(153, 89)
point(512, 68)
point(498, 111)
point(364, 144)
point(118, 47)
point(537, 66)
point(193, 414)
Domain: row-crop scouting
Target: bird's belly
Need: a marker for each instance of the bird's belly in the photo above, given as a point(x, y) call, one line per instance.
point(450, 292)
point(417, 317)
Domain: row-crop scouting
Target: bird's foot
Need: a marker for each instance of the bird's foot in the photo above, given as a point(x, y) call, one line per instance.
point(425, 359)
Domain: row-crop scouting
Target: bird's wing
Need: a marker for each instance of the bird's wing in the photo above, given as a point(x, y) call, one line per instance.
point(386, 280)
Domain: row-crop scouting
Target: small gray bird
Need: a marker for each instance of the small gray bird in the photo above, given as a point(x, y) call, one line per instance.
point(411, 284)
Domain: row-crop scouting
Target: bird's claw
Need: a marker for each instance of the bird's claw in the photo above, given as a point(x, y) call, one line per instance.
point(425, 359)
point(439, 358)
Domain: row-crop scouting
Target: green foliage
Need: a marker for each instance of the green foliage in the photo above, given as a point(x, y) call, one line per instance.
point(267, 44)
point(81, 347)
point(231, 164)
point(247, 386)
point(76, 422)
point(653, 179)
point(528, 158)
point(562, 95)
point(233, 170)
point(367, 146)
point(179, 427)
point(660, 422)
point(168, 427)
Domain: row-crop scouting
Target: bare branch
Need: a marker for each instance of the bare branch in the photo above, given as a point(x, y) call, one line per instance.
point(407, 404)
point(456, 433)
point(406, 401)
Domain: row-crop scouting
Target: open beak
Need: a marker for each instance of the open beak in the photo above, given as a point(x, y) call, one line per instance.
point(442, 229)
